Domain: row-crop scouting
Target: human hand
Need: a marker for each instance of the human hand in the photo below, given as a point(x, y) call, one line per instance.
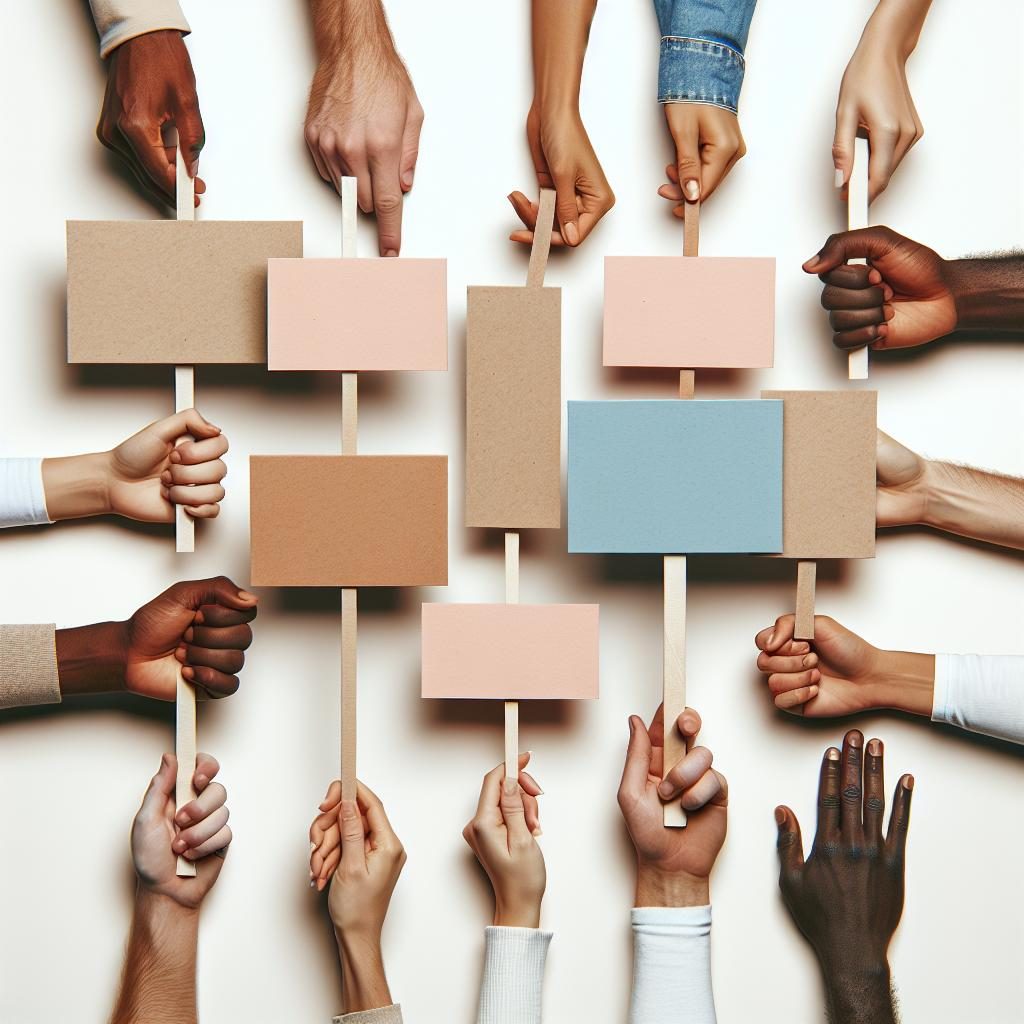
point(902, 492)
point(199, 833)
point(503, 835)
point(564, 160)
point(708, 143)
point(201, 626)
point(364, 119)
point(673, 864)
point(903, 297)
point(847, 898)
point(150, 83)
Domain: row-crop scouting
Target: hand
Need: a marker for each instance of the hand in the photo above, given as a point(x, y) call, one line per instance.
point(201, 626)
point(364, 120)
point(673, 864)
point(199, 832)
point(503, 835)
point(902, 495)
point(150, 83)
point(354, 846)
point(903, 297)
point(874, 96)
point(847, 898)
point(708, 143)
point(565, 161)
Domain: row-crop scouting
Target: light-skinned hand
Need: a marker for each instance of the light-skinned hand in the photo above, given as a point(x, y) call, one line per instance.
point(708, 144)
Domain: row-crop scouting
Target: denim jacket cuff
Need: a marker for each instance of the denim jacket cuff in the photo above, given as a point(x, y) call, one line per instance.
point(699, 71)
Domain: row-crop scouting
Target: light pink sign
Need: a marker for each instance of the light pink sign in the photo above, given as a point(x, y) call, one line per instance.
point(510, 651)
point(357, 314)
point(687, 312)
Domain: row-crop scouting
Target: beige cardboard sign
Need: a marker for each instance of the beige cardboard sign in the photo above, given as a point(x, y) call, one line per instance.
point(513, 407)
point(174, 292)
point(349, 520)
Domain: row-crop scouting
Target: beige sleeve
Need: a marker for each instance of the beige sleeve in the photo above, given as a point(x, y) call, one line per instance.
point(117, 21)
point(28, 666)
point(385, 1015)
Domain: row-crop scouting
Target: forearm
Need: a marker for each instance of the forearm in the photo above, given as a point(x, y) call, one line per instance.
point(860, 996)
point(897, 24)
point(158, 985)
point(670, 889)
point(90, 659)
point(560, 30)
point(77, 486)
point(364, 983)
point(973, 503)
point(348, 25)
point(902, 680)
point(988, 292)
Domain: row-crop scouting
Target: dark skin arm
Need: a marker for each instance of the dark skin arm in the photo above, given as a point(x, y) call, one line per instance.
point(201, 625)
point(908, 295)
point(150, 84)
point(847, 897)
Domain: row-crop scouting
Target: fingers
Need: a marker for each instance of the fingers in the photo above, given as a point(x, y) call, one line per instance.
point(353, 839)
point(513, 813)
point(194, 497)
point(711, 788)
point(790, 700)
point(189, 421)
point(490, 791)
point(685, 773)
point(228, 638)
point(684, 126)
point(191, 134)
point(567, 212)
point(411, 144)
point(899, 820)
point(217, 591)
point(385, 178)
point(852, 793)
point(378, 825)
point(213, 683)
point(216, 616)
point(792, 660)
point(333, 798)
point(874, 793)
point(142, 135)
point(212, 797)
point(207, 767)
point(784, 682)
point(775, 637)
point(160, 788)
point(217, 843)
point(688, 723)
point(847, 119)
point(828, 799)
point(853, 286)
point(789, 844)
point(191, 840)
point(865, 243)
point(638, 763)
point(228, 661)
point(882, 161)
point(193, 453)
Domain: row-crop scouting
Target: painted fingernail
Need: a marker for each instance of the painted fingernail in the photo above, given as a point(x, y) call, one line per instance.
point(875, 748)
point(665, 788)
point(537, 832)
point(312, 883)
point(908, 781)
point(780, 815)
point(839, 177)
point(390, 253)
point(572, 233)
point(407, 179)
point(855, 739)
point(692, 191)
point(833, 754)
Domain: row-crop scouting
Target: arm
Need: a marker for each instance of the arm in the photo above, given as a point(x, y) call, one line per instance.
point(955, 499)
point(144, 477)
point(909, 295)
point(355, 849)
point(847, 897)
point(700, 74)
point(363, 118)
point(874, 94)
point(503, 835)
point(158, 984)
point(672, 909)
point(563, 156)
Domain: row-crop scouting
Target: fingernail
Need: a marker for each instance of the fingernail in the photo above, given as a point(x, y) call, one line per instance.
point(692, 190)
point(839, 177)
point(572, 234)
point(908, 781)
point(632, 726)
point(814, 691)
point(875, 748)
point(833, 754)
point(407, 179)
point(855, 739)
point(246, 596)
point(201, 780)
point(888, 293)
point(388, 253)
point(538, 832)
point(665, 788)
point(312, 883)
point(780, 815)
point(771, 638)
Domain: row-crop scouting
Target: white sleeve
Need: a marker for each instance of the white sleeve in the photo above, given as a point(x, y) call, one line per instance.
point(117, 21)
point(513, 982)
point(982, 693)
point(22, 501)
point(672, 966)
point(384, 1015)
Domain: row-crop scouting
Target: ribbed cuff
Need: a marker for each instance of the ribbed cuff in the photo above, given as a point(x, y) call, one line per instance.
point(117, 21)
point(22, 498)
point(382, 1015)
point(699, 71)
point(513, 982)
point(28, 666)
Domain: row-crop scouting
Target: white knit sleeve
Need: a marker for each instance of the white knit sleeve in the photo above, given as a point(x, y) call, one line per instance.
point(384, 1015)
point(982, 693)
point(672, 966)
point(512, 987)
point(22, 501)
point(117, 21)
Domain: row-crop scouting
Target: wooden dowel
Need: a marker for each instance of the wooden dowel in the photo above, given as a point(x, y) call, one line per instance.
point(184, 398)
point(857, 217)
point(185, 753)
point(691, 228)
point(806, 573)
point(511, 706)
point(541, 239)
point(674, 674)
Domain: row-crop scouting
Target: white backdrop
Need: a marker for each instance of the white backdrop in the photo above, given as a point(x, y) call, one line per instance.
point(70, 779)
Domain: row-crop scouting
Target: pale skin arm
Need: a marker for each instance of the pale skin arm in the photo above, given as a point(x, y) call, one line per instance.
point(144, 477)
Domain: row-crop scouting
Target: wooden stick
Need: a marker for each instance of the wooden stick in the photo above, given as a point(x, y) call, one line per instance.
point(185, 752)
point(541, 239)
point(674, 675)
point(184, 379)
point(857, 217)
point(805, 579)
point(349, 413)
point(691, 228)
point(511, 706)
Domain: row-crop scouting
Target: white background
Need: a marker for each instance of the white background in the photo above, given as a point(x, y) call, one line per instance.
point(70, 778)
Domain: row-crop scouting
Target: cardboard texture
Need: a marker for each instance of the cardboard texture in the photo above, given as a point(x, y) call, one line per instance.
point(349, 520)
point(689, 311)
point(510, 651)
point(828, 473)
point(672, 477)
point(513, 407)
point(352, 314)
point(172, 291)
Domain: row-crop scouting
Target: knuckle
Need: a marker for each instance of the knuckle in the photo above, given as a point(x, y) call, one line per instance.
point(852, 794)
point(387, 203)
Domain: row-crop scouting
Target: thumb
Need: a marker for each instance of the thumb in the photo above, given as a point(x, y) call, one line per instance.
point(513, 811)
point(161, 786)
point(410, 148)
point(872, 243)
point(843, 143)
point(638, 760)
point(188, 421)
point(220, 590)
point(790, 844)
point(353, 839)
point(191, 134)
point(895, 464)
point(566, 212)
point(688, 164)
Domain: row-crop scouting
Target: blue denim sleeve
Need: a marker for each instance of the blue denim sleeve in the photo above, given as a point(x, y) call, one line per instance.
point(702, 43)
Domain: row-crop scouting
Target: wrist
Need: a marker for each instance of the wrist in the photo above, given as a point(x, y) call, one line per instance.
point(893, 29)
point(904, 681)
point(517, 915)
point(859, 993)
point(91, 659)
point(163, 915)
point(77, 486)
point(364, 982)
point(658, 888)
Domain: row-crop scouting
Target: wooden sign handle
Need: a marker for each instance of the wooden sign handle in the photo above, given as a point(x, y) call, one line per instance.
point(691, 241)
point(185, 753)
point(674, 675)
point(511, 706)
point(806, 573)
point(857, 217)
point(541, 239)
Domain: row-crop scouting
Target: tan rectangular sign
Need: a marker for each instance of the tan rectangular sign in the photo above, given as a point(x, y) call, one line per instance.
point(514, 407)
point(174, 292)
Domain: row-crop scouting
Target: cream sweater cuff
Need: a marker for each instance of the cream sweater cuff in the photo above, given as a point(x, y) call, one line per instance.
point(28, 666)
point(117, 21)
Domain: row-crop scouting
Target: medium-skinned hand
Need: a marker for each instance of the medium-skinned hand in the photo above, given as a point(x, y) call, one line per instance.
point(708, 144)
